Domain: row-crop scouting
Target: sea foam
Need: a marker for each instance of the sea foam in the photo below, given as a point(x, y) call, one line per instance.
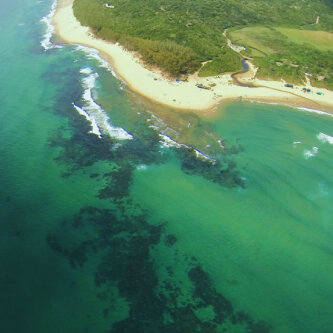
point(296, 108)
point(86, 70)
point(310, 153)
point(168, 142)
point(315, 111)
point(94, 54)
point(93, 112)
point(325, 138)
point(95, 129)
point(47, 20)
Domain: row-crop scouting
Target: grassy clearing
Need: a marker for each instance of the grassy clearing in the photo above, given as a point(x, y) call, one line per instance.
point(321, 40)
point(257, 39)
point(279, 55)
point(178, 35)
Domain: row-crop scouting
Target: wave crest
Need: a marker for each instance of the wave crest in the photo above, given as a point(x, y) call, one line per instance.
point(47, 20)
point(325, 138)
point(93, 112)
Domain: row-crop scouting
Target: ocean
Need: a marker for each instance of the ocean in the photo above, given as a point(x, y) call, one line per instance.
point(118, 215)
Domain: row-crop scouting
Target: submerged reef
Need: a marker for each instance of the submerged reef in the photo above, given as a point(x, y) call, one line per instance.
point(222, 172)
point(122, 248)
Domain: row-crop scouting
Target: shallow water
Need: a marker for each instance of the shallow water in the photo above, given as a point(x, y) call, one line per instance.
point(105, 233)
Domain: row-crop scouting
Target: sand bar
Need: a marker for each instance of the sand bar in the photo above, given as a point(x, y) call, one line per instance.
point(184, 95)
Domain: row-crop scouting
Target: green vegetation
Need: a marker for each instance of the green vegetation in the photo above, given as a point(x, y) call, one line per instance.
point(178, 35)
point(278, 56)
point(258, 40)
point(321, 40)
point(227, 61)
point(173, 58)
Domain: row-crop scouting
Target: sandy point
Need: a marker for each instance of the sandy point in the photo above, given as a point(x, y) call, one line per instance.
point(153, 85)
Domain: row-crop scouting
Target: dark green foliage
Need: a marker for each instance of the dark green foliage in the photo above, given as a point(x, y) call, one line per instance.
point(227, 61)
point(178, 35)
point(295, 60)
point(172, 57)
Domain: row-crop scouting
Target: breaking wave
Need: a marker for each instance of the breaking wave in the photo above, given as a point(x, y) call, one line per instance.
point(168, 142)
point(310, 153)
point(47, 20)
point(94, 54)
point(315, 111)
point(325, 138)
point(95, 128)
point(93, 112)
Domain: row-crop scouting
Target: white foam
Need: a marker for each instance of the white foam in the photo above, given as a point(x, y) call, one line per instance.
point(86, 70)
point(168, 142)
point(325, 138)
point(310, 153)
point(221, 143)
point(296, 107)
point(315, 111)
point(94, 54)
point(203, 157)
point(97, 116)
point(47, 20)
point(141, 167)
point(95, 129)
point(154, 127)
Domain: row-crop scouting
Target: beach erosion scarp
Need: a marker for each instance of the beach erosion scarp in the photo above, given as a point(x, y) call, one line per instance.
point(153, 85)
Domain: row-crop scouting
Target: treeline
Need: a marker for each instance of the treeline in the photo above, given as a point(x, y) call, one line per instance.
point(291, 61)
point(227, 61)
point(318, 64)
point(175, 59)
point(178, 35)
point(168, 55)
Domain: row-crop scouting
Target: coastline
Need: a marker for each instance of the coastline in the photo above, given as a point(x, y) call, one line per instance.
point(184, 95)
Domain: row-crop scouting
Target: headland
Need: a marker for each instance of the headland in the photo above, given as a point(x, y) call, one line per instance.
point(194, 93)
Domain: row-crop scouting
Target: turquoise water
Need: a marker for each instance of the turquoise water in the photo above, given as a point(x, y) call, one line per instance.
point(109, 235)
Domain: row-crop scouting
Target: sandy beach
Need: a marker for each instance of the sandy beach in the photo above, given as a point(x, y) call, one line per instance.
point(184, 95)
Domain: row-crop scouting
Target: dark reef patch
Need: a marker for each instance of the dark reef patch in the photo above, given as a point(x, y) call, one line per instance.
point(206, 293)
point(221, 171)
point(78, 149)
point(120, 246)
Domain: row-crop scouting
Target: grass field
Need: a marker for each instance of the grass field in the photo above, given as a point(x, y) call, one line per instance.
point(258, 40)
point(288, 53)
point(321, 40)
point(178, 36)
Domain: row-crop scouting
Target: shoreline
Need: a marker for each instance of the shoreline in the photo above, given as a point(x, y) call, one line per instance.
point(185, 95)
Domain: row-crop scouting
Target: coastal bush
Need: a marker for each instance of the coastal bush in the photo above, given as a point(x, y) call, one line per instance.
point(178, 35)
point(173, 58)
point(227, 61)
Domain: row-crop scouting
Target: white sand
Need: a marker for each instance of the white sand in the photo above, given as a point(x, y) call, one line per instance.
point(183, 95)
